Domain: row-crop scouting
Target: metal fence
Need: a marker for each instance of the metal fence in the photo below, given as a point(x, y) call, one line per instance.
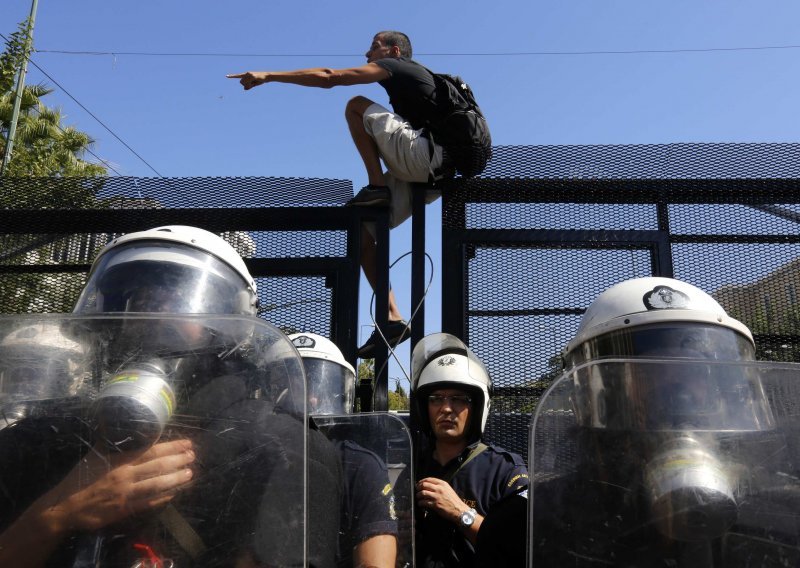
point(529, 245)
point(299, 244)
point(526, 247)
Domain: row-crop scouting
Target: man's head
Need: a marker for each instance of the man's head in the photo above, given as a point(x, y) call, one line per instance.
point(389, 44)
point(451, 388)
point(173, 270)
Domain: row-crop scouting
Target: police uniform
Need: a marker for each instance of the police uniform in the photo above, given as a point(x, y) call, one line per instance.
point(368, 507)
point(503, 536)
point(490, 477)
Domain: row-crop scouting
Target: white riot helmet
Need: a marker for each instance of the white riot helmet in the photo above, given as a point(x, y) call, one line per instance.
point(658, 317)
point(174, 269)
point(331, 379)
point(441, 360)
point(662, 340)
point(38, 361)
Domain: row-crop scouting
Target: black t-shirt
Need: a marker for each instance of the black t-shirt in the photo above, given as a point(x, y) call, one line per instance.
point(410, 88)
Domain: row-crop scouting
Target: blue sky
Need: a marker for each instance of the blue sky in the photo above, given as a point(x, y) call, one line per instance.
point(542, 72)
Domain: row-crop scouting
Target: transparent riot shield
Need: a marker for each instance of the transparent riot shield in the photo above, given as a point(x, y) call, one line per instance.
point(150, 440)
point(647, 462)
point(376, 527)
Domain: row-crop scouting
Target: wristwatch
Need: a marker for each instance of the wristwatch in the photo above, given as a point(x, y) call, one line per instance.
point(468, 517)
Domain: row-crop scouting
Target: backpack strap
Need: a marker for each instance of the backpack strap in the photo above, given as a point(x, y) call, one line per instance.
point(479, 448)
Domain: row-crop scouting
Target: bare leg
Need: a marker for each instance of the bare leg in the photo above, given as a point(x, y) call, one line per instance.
point(354, 113)
point(368, 249)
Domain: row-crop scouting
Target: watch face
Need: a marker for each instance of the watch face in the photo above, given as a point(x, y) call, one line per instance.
point(467, 518)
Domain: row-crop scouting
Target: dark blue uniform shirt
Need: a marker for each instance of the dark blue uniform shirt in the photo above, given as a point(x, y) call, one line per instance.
point(492, 476)
point(368, 501)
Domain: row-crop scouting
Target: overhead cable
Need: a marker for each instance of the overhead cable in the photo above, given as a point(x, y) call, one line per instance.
point(482, 54)
point(114, 134)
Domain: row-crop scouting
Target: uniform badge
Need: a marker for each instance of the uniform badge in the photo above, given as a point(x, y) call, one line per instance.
point(665, 298)
point(304, 342)
point(446, 361)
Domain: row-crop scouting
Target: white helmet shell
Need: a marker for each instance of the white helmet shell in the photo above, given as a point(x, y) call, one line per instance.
point(318, 347)
point(651, 300)
point(39, 361)
point(191, 236)
point(441, 360)
point(173, 269)
point(331, 379)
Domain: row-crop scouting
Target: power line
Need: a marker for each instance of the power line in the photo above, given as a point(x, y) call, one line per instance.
point(100, 122)
point(101, 160)
point(483, 54)
point(90, 113)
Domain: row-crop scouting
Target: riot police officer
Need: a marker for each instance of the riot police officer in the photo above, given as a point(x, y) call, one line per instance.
point(661, 444)
point(369, 525)
point(189, 445)
point(459, 477)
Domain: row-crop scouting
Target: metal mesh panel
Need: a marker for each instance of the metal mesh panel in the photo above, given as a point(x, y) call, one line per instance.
point(597, 216)
point(653, 161)
point(52, 292)
point(154, 193)
point(275, 244)
point(544, 230)
point(44, 263)
point(296, 304)
point(51, 249)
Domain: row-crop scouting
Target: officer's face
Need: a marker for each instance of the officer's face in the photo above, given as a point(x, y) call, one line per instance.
point(448, 412)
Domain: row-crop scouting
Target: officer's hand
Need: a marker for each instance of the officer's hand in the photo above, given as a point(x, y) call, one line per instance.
point(439, 496)
point(98, 492)
point(250, 79)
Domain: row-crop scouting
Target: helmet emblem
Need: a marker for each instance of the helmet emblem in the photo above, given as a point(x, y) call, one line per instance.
point(446, 361)
point(665, 298)
point(304, 342)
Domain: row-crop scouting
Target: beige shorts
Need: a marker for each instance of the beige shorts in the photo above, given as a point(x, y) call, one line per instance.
point(406, 154)
point(404, 150)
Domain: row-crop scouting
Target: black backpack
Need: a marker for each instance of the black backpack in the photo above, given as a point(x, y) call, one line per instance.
point(459, 125)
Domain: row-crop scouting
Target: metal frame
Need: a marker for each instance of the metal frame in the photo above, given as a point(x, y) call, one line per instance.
point(342, 273)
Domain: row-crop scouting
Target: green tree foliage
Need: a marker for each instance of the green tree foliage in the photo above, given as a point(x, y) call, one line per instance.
point(42, 146)
point(47, 170)
point(366, 371)
point(398, 400)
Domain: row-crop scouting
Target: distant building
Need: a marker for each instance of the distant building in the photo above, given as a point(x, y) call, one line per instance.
point(768, 305)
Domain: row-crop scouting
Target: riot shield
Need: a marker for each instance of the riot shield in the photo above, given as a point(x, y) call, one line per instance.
point(377, 505)
point(667, 462)
point(153, 440)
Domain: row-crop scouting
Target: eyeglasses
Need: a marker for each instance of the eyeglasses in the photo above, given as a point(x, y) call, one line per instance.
point(456, 401)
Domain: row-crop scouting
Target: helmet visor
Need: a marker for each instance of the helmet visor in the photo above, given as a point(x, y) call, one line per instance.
point(669, 394)
point(331, 387)
point(149, 276)
point(690, 340)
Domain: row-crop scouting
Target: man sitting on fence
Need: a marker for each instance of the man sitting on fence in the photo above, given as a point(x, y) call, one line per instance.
point(402, 139)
